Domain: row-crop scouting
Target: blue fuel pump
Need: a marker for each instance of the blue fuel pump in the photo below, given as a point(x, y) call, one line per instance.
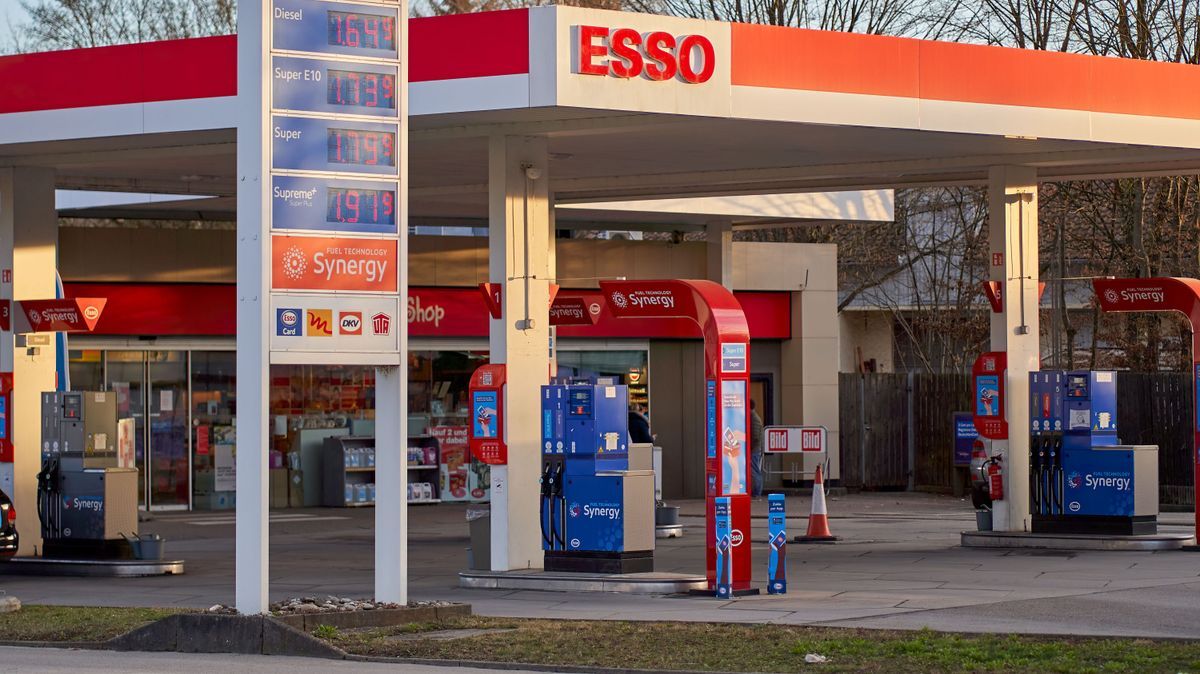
point(597, 510)
point(1082, 480)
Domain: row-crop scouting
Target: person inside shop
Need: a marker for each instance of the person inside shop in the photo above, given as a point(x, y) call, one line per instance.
point(639, 425)
point(756, 451)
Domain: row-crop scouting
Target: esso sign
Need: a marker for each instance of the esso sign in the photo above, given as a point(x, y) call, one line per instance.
point(654, 55)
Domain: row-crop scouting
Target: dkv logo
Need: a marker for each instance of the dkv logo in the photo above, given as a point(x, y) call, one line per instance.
point(350, 323)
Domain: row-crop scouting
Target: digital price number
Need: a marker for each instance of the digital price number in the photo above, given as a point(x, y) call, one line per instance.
point(365, 89)
point(357, 146)
point(359, 206)
point(361, 31)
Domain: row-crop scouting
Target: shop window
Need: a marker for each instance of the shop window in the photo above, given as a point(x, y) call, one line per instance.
point(623, 367)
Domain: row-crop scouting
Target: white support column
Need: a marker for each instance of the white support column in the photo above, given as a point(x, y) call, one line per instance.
point(251, 571)
point(1013, 261)
point(520, 239)
point(391, 476)
point(719, 252)
point(29, 241)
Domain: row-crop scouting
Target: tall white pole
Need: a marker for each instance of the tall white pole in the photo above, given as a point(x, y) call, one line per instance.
point(251, 575)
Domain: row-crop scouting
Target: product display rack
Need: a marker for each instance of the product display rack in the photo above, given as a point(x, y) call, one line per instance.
point(426, 470)
point(348, 467)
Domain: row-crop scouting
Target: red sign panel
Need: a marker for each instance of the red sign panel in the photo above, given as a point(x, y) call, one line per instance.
point(333, 263)
point(5, 315)
point(70, 315)
point(988, 375)
point(577, 310)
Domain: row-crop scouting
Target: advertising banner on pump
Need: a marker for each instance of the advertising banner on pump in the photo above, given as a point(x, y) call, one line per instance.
point(733, 436)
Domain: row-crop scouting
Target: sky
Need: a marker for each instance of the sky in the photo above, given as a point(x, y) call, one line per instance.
point(11, 13)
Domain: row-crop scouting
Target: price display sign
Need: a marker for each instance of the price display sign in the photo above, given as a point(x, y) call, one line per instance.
point(331, 205)
point(315, 85)
point(322, 27)
point(338, 146)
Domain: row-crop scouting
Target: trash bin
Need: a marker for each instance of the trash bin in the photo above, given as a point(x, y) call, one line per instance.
point(983, 519)
point(151, 547)
point(479, 519)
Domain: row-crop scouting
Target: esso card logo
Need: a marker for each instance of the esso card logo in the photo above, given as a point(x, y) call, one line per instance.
point(656, 55)
point(350, 323)
point(287, 322)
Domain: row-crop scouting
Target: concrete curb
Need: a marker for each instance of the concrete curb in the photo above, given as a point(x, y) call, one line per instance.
point(206, 633)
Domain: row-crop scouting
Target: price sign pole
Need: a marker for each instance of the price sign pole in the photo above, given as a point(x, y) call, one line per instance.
point(322, 241)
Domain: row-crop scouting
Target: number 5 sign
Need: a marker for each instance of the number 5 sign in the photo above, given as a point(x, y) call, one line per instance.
point(790, 439)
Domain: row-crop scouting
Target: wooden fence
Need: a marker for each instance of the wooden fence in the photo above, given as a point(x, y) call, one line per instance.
point(897, 430)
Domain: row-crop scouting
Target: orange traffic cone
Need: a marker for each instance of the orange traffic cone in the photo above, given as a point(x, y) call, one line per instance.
point(818, 521)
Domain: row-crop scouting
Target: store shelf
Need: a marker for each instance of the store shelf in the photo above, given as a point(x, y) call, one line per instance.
point(424, 501)
point(357, 504)
point(360, 469)
point(421, 467)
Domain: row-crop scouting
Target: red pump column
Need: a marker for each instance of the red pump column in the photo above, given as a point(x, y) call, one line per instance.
point(1162, 294)
point(727, 380)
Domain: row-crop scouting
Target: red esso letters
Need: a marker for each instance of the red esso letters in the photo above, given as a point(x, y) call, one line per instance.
point(657, 56)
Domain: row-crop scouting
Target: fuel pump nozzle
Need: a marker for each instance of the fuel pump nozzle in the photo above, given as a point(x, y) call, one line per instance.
point(559, 522)
point(547, 482)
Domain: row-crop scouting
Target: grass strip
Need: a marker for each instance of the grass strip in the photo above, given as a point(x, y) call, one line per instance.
point(75, 623)
point(765, 648)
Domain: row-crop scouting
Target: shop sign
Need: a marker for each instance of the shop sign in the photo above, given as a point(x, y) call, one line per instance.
point(651, 299)
point(333, 263)
point(69, 315)
point(657, 55)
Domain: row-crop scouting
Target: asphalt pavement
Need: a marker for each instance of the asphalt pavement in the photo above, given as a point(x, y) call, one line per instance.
point(899, 565)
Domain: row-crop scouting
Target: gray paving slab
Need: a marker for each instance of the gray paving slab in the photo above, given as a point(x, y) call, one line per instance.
point(898, 551)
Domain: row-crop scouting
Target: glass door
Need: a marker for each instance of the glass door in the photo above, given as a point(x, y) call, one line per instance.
point(125, 376)
point(152, 388)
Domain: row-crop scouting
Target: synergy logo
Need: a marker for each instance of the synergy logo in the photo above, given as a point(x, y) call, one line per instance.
point(287, 322)
point(607, 512)
point(93, 503)
point(332, 263)
point(644, 299)
point(319, 322)
point(574, 510)
point(1111, 296)
point(381, 324)
point(1074, 480)
point(1153, 294)
point(294, 263)
point(350, 323)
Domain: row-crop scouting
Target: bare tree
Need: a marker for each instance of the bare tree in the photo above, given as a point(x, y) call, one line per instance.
point(72, 24)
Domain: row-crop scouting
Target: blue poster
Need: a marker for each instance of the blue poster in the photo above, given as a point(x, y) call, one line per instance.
point(777, 537)
point(486, 417)
point(987, 395)
point(710, 425)
point(724, 543)
point(733, 437)
point(964, 438)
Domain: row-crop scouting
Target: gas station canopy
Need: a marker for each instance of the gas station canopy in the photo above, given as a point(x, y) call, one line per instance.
point(782, 110)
